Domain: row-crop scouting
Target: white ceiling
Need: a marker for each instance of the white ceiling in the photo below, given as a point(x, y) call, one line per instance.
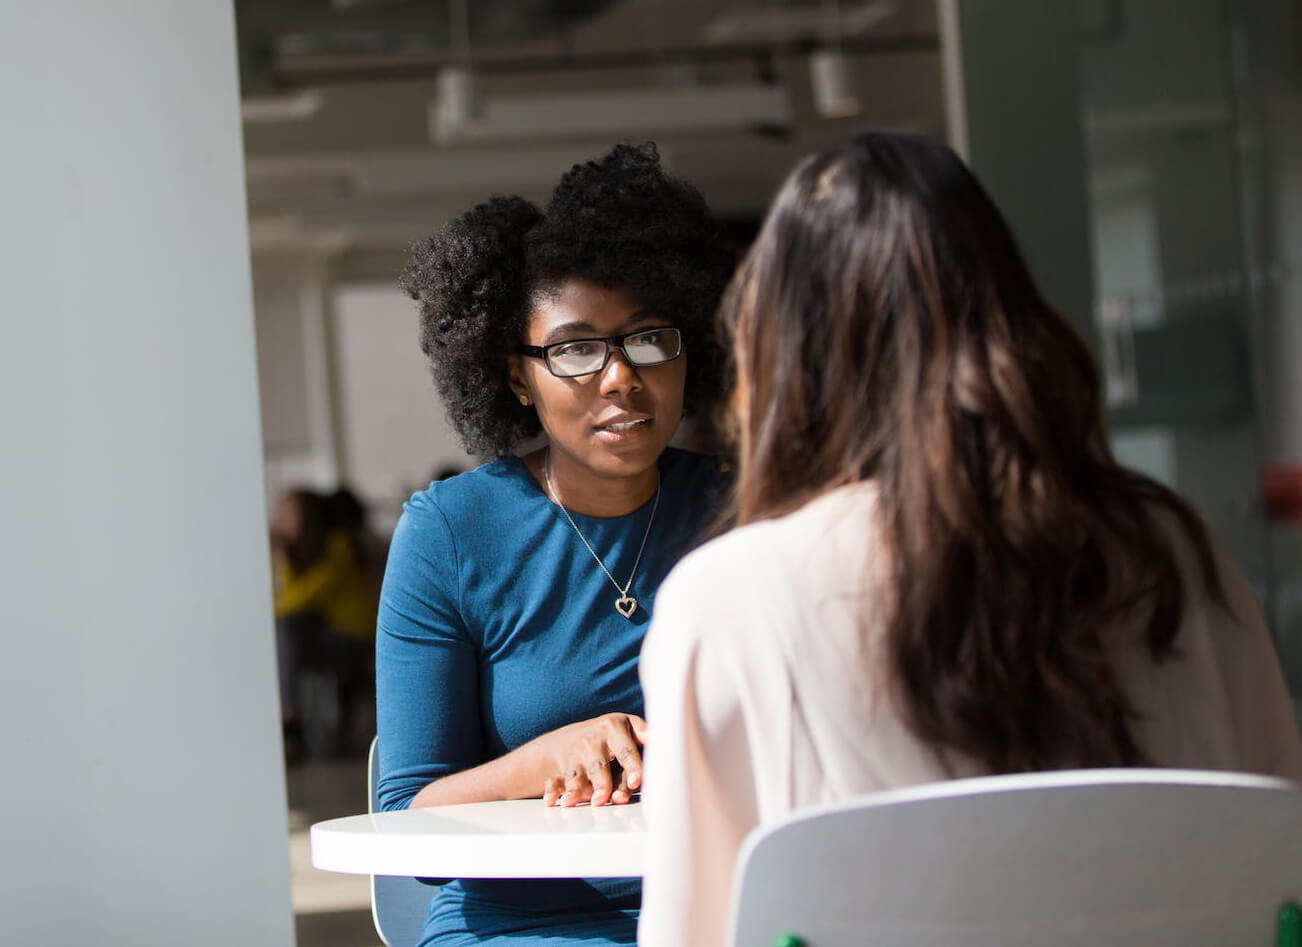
point(356, 173)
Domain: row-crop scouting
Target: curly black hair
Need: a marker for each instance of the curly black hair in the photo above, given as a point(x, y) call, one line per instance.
point(619, 222)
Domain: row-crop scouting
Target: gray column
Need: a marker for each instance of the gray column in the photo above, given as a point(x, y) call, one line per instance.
point(143, 795)
point(1013, 96)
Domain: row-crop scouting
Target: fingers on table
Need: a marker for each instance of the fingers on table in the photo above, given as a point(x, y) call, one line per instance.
point(577, 787)
point(604, 766)
point(552, 790)
point(600, 778)
point(615, 764)
point(626, 747)
point(622, 793)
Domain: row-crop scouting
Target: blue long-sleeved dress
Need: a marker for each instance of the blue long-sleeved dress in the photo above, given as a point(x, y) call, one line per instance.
point(496, 625)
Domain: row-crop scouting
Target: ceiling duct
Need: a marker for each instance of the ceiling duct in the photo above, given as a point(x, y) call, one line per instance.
point(278, 38)
point(612, 114)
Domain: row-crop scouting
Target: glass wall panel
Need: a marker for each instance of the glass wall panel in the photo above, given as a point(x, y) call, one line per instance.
point(1190, 110)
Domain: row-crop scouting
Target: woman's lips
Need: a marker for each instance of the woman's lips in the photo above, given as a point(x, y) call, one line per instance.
point(620, 431)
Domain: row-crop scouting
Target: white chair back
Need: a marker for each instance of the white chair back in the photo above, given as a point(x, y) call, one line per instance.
point(1122, 856)
point(399, 906)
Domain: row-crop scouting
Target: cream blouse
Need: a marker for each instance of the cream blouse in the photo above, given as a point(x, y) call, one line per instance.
point(763, 679)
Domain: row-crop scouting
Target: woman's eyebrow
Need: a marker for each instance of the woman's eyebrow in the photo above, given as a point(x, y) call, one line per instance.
point(567, 330)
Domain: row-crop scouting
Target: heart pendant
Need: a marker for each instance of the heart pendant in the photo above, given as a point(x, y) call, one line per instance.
point(626, 605)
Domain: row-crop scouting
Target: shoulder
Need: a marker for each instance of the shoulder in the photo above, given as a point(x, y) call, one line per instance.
point(490, 489)
point(1241, 604)
point(758, 579)
point(1225, 647)
point(783, 549)
point(436, 521)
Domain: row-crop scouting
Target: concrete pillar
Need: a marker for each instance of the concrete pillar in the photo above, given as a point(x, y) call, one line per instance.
point(1013, 107)
point(143, 792)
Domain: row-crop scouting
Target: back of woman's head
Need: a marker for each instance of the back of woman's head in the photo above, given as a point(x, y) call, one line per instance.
point(886, 328)
point(620, 222)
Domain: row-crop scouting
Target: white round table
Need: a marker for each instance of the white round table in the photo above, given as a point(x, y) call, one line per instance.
point(515, 839)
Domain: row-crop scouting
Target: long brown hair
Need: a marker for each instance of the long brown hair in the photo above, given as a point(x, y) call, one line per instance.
point(886, 328)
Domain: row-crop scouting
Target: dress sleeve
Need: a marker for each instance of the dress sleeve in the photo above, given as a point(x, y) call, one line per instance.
point(699, 793)
point(1264, 719)
point(427, 676)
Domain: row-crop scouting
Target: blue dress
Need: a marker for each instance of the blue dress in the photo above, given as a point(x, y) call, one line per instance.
point(496, 625)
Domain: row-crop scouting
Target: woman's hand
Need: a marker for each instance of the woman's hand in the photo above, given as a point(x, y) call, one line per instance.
point(597, 761)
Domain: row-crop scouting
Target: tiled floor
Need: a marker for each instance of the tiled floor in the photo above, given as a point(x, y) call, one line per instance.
point(330, 909)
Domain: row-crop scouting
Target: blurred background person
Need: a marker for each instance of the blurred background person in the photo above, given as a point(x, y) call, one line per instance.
point(939, 569)
point(348, 517)
point(326, 570)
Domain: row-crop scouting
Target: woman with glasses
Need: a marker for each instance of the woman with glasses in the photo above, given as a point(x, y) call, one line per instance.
point(517, 595)
point(939, 569)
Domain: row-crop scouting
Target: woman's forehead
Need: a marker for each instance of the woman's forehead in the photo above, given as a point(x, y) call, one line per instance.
point(578, 302)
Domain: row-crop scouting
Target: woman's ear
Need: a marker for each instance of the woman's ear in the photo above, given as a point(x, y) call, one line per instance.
point(515, 379)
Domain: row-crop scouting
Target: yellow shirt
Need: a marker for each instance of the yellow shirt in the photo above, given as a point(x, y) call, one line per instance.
point(337, 586)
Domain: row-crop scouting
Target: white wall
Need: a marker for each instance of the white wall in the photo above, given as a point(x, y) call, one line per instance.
point(392, 423)
point(347, 395)
point(143, 794)
point(282, 369)
point(291, 295)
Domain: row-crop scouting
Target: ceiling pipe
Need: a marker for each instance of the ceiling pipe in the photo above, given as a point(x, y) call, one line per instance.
point(326, 70)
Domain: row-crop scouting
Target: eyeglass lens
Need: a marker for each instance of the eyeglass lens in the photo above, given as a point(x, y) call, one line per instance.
point(584, 356)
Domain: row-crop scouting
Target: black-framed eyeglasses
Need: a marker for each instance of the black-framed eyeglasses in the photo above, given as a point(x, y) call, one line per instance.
point(642, 348)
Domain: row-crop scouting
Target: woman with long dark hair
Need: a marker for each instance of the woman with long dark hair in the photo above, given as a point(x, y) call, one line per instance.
point(940, 570)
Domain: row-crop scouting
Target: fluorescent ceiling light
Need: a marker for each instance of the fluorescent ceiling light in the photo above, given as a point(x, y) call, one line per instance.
point(832, 84)
point(612, 114)
point(458, 100)
point(774, 24)
point(295, 107)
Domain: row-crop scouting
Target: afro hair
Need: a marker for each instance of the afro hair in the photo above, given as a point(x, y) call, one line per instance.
point(618, 222)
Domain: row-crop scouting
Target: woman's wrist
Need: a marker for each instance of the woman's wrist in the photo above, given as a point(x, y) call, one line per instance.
point(517, 775)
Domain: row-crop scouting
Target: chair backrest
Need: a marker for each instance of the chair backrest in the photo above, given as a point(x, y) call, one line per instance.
point(1158, 857)
point(398, 905)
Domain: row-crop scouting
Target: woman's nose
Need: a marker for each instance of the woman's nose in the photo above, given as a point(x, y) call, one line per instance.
point(619, 375)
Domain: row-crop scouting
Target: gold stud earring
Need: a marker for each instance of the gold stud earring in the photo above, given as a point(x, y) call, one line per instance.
point(524, 399)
